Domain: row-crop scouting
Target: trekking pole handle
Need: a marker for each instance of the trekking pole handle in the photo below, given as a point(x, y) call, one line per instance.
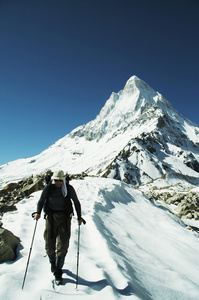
point(84, 222)
point(33, 214)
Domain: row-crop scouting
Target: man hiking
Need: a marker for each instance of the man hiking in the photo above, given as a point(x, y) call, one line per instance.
point(56, 201)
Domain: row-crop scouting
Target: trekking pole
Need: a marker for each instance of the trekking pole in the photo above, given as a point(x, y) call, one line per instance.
point(78, 244)
point(29, 253)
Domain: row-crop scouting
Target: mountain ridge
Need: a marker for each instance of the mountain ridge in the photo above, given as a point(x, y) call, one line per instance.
point(135, 113)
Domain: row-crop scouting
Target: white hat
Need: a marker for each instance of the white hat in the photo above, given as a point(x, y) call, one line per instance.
point(58, 175)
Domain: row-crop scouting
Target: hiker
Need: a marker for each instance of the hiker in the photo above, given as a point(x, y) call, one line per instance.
point(56, 201)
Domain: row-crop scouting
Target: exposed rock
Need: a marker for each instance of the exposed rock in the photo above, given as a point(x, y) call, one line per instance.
point(5, 207)
point(32, 187)
point(11, 186)
point(187, 202)
point(16, 191)
point(8, 245)
point(175, 199)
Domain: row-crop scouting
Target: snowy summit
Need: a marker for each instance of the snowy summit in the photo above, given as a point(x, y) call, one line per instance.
point(132, 247)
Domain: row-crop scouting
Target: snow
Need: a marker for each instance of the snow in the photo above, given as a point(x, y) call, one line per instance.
point(130, 248)
point(92, 147)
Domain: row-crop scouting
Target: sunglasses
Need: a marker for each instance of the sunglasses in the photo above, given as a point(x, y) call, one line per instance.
point(57, 180)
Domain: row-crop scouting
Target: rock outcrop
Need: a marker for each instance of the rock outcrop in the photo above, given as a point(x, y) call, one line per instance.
point(16, 191)
point(186, 202)
point(8, 245)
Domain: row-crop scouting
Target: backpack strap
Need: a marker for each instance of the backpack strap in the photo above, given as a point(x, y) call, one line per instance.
point(46, 206)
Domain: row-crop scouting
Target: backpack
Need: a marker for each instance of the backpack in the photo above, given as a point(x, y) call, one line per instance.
point(68, 202)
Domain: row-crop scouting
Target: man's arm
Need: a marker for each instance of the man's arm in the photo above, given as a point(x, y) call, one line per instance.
point(77, 204)
point(40, 203)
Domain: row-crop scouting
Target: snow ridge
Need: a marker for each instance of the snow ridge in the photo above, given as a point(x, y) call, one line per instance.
point(130, 248)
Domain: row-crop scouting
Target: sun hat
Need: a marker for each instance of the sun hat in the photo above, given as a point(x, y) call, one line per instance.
point(58, 175)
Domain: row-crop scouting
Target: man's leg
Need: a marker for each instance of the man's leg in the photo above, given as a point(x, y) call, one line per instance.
point(63, 238)
point(50, 243)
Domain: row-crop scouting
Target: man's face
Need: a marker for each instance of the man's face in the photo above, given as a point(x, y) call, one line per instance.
point(58, 183)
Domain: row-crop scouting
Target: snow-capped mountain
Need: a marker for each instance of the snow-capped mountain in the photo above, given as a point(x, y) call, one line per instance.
point(136, 137)
point(131, 246)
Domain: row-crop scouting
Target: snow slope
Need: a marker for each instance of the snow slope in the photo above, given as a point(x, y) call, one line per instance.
point(130, 248)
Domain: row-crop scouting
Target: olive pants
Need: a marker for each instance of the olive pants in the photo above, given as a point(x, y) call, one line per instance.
point(57, 234)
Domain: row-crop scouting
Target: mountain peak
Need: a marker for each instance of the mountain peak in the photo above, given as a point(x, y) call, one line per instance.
point(137, 131)
point(124, 109)
point(135, 82)
point(133, 78)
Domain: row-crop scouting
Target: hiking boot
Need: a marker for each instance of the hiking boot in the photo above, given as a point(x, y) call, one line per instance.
point(58, 281)
point(59, 262)
point(58, 276)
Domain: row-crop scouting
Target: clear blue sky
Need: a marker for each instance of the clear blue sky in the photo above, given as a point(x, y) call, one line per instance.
point(61, 59)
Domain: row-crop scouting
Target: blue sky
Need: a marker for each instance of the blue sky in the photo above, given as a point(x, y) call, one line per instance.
point(61, 59)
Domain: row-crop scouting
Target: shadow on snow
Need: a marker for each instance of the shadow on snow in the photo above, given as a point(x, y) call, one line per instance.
point(99, 285)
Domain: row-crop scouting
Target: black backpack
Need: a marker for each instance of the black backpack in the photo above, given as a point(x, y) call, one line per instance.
point(68, 202)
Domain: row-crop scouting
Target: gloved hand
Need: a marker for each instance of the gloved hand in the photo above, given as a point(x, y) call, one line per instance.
point(36, 216)
point(81, 220)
